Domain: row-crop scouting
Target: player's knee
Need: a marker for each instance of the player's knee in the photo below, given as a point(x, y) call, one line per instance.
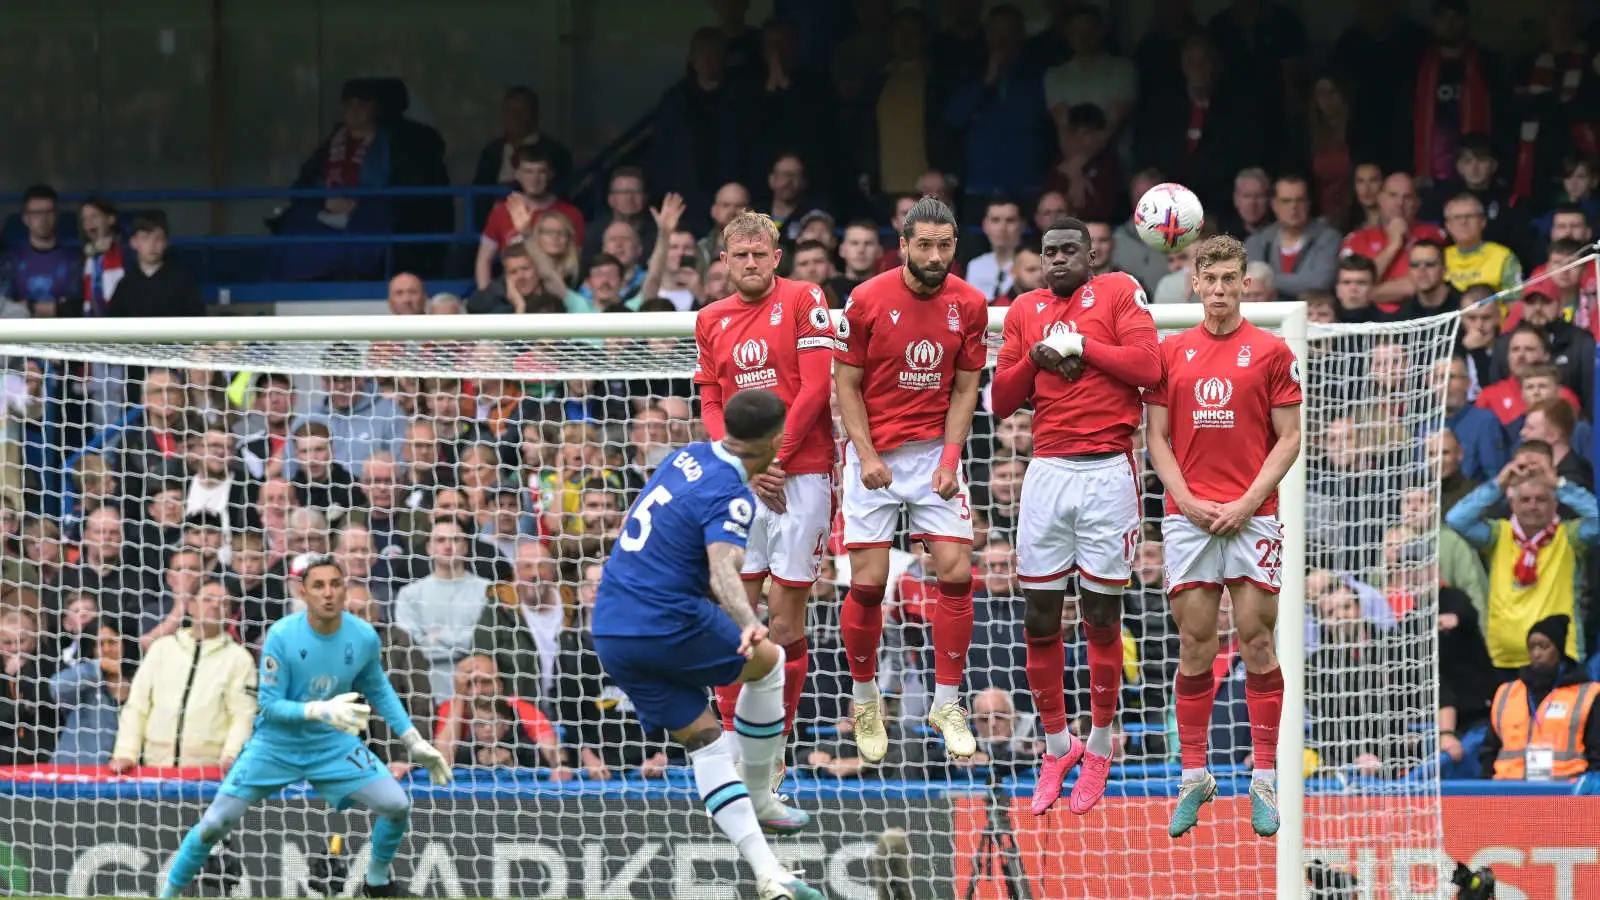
point(395, 809)
point(1102, 610)
point(215, 825)
point(766, 665)
point(1042, 618)
point(1256, 648)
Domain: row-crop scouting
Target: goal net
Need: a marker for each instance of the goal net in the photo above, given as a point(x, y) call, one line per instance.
point(471, 474)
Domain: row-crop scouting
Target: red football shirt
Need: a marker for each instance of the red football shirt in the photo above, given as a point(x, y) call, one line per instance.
point(1097, 413)
point(909, 347)
point(1504, 399)
point(1220, 393)
point(499, 231)
point(1369, 242)
point(758, 345)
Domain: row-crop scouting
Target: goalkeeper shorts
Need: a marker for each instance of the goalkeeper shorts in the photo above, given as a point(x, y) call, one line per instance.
point(335, 770)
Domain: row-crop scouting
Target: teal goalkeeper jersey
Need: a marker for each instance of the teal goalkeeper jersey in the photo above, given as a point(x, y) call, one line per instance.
point(299, 665)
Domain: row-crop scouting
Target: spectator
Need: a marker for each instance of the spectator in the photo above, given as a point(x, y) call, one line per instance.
point(1535, 559)
point(358, 420)
point(788, 205)
point(1332, 142)
point(1007, 98)
point(626, 201)
point(321, 482)
point(1262, 44)
point(523, 288)
point(356, 555)
point(1480, 329)
point(1129, 252)
point(796, 109)
point(512, 219)
point(90, 694)
point(1090, 75)
point(1027, 274)
point(481, 726)
point(1177, 286)
point(306, 531)
point(1524, 352)
point(519, 127)
point(523, 632)
point(996, 657)
point(1389, 245)
point(105, 568)
point(860, 251)
point(1553, 422)
point(1470, 259)
point(1090, 173)
point(27, 717)
point(700, 124)
point(1365, 188)
point(1569, 347)
point(1006, 738)
point(1002, 227)
point(263, 432)
point(103, 254)
point(154, 449)
point(1431, 294)
point(1349, 702)
point(839, 757)
point(731, 199)
point(1303, 252)
point(445, 304)
point(42, 273)
point(1252, 205)
point(408, 674)
point(206, 723)
point(1260, 286)
point(1352, 288)
point(1573, 286)
point(1467, 680)
point(1475, 175)
point(1199, 130)
point(614, 281)
point(258, 592)
point(1543, 726)
point(1458, 92)
point(1377, 52)
point(274, 505)
point(1479, 436)
point(219, 485)
point(156, 287)
point(439, 611)
point(185, 572)
point(1102, 247)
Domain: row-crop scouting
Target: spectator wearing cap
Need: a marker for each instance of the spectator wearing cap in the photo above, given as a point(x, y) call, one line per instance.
point(1470, 259)
point(1303, 252)
point(440, 611)
point(1535, 558)
point(1476, 174)
point(1006, 97)
point(1576, 288)
point(1389, 245)
point(359, 420)
point(1458, 91)
point(193, 700)
point(1565, 345)
point(1542, 723)
point(990, 273)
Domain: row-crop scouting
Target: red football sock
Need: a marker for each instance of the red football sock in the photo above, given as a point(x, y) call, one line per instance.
point(796, 662)
point(1195, 696)
point(1105, 671)
point(1047, 663)
point(1263, 695)
point(727, 696)
point(860, 628)
point(952, 632)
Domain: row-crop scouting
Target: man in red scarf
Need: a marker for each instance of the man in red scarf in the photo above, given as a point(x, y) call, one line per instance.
point(1457, 89)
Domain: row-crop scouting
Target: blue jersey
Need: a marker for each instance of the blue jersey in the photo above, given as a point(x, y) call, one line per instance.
point(658, 578)
point(300, 665)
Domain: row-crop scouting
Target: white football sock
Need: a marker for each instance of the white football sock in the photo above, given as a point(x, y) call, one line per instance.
point(1269, 776)
point(728, 801)
point(864, 691)
point(945, 693)
point(1099, 742)
point(1058, 745)
point(758, 720)
point(1193, 774)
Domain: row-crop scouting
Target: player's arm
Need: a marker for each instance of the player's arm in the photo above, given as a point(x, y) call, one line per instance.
point(813, 341)
point(1286, 425)
point(705, 377)
point(374, 684)
point(1158, 437)
point(727, 588)
point(1135, 360)
point(853, 408)
point(958, 420)
point(1015, 371)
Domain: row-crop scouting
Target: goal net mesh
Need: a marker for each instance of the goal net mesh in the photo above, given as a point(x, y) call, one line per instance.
point(130, 476)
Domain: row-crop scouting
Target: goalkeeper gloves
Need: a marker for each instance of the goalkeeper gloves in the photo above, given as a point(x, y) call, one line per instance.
point(342, 712)
point(423, 754)
point(1066, 343)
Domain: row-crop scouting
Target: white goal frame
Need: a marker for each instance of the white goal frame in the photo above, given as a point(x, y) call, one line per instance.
point(1288, 318)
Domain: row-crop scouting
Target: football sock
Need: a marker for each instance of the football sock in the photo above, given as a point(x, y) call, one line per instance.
point(860, 629)
point(1105, 683)
point(1046, 665)
point(728, 801)
point(758, 721)
point(1263, 696)
point(797, 664)
point(727, 700)
point(864, 691)
point(952, 635)
point(1195, 696)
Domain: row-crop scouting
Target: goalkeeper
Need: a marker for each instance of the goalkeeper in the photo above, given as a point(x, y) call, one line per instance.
point(314, 666)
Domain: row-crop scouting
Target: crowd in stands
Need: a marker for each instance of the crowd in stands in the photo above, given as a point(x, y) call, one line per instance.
point(1412, 172)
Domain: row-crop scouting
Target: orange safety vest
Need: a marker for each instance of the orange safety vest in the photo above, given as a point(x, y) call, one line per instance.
point(1561, 720)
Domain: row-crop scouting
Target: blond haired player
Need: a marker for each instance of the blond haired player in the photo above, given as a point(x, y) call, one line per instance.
point(774, 334)
point(911, 346)
point(1224, 428)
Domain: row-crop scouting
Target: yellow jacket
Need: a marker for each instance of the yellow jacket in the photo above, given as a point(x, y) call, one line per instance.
point(202, 695)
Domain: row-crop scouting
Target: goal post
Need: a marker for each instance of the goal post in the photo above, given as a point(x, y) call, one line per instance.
point(1352, 811)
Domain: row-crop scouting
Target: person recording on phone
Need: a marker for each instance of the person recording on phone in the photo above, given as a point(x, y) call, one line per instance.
point(1535, 557)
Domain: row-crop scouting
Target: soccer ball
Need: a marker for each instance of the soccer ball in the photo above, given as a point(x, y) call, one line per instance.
point(1168, 217)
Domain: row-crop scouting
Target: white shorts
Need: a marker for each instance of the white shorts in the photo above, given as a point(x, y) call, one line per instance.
point(1078, 516)
point(870, 516)
point(1198, 559)
point(789, 545)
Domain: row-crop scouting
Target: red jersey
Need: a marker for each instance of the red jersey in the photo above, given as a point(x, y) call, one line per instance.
point(1369, 242)
point(499, 231)
point(909, 347)
point(1219, 393)
point(758, 345)
point(1504, 399)
point(1099, 412)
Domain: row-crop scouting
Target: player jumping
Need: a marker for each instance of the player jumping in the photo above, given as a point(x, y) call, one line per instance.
point(775, 334)
point(314, 666)
point(911, 345)
point(1224, 428)
point(664, 644)
point(1081, 351)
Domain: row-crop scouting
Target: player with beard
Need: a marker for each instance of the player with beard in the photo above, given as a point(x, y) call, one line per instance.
point(1080, 350)
point(910, 349)
point(1224, 428)
point(775, 334)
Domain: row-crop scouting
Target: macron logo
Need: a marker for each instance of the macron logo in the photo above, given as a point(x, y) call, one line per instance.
point(1039, 307)
point(1188, 355)
point(894, 317)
